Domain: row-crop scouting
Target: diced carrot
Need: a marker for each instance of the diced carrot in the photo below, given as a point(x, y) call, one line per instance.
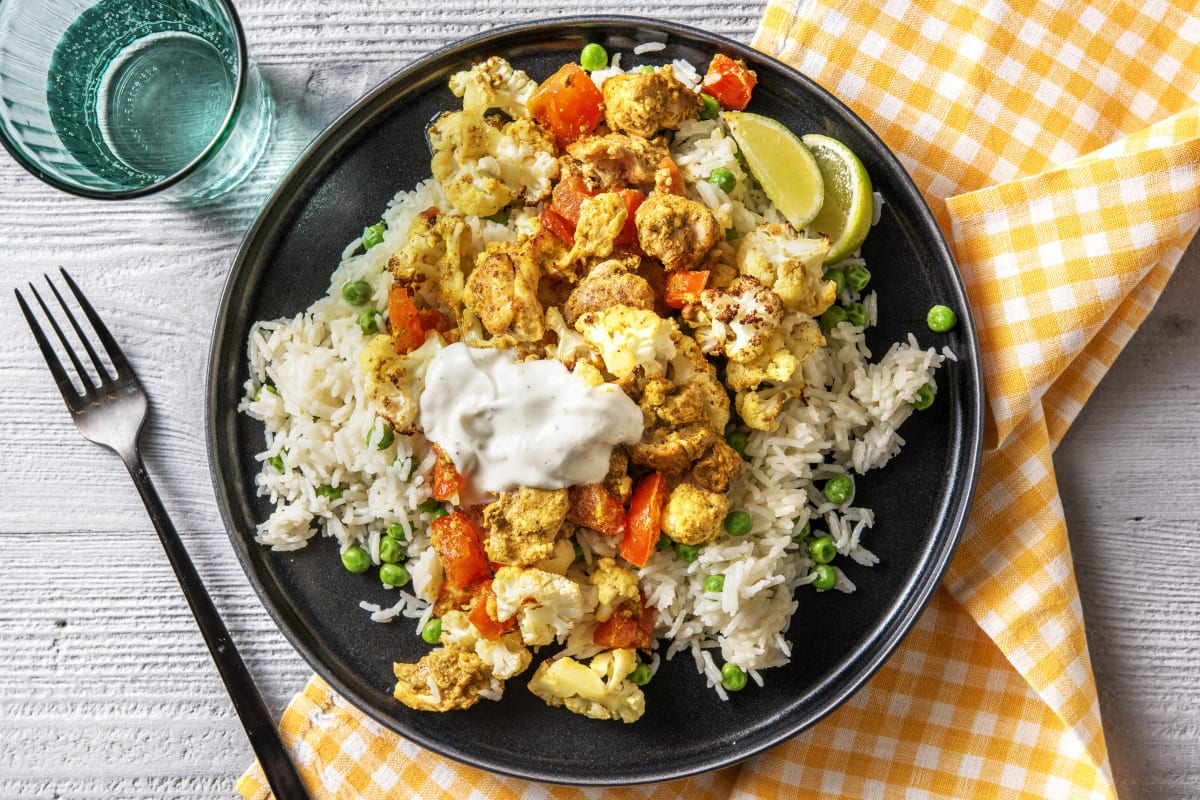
point(594, 506)
point(457, 544)
point(557, 224)
point(633, 198)
point(625, 629)
point(645, 519)
point(432, 320)
point(447, 483)
point(729, 82)
point(405, 320)
point(684, 287)
point(567, 198)
point(674, 182)
point(567, 103)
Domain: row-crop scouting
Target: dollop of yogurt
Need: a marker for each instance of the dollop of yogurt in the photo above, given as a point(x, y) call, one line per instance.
point(508, 424)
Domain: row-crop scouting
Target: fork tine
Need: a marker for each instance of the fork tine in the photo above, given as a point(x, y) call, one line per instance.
point(56, 368)
point(119, 362)
point(79, 369)
point(87, 340)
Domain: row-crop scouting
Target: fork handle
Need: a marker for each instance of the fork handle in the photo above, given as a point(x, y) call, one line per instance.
point(284, 780)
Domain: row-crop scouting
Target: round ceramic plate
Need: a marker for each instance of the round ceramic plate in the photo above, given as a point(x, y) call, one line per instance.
point(342, 183)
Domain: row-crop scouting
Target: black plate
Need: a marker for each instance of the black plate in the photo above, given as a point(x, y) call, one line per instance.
point(341, 183)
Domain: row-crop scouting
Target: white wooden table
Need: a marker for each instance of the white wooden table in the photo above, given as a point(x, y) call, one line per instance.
point(106, 689)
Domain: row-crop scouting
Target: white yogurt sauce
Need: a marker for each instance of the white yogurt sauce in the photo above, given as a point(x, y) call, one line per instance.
point(508, 424)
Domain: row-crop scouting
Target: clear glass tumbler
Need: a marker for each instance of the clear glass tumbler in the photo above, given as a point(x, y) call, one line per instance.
point(122, 98)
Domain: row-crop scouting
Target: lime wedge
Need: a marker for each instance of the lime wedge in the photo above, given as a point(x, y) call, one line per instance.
point(782, 165)
point(849, 205)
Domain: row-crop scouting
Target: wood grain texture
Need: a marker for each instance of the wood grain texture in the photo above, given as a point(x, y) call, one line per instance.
point(106, 690)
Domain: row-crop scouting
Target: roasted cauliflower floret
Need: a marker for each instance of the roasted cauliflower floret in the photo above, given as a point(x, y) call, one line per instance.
point(523, 525)
point(740, 322)
point(484, 164)
point(677, 231)
point(760, 408)
point(505, 657)
point(493, 84)
point(502, 292)
point(601, 219)
point(546, 605)
point(716, 469)
point(693, 515)
point(690, 367)
point(672, 450)
point(435, 249)
point(615, 161)
point(628, 338)
point(791, 265)
point(393, 382)
point(791, 345)
point(644, 103)
point(600, 690)
point(614, 585)
point(444, 680)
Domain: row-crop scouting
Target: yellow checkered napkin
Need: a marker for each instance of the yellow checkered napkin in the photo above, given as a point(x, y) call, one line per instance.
point(1059, 146)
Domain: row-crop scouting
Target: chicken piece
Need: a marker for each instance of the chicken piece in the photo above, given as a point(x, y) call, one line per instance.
point(502, 292)
point(393, 382)
point(615, 585)
point(644, 103)
point(601, 219)
point(628, 338)
point(444, 680)
point(716, 469)
point(546, 605)
point(693, 515)
point(677, 231)
point(689, 367)
point(739, 322)
point(523, 525)
point(791, 265)
point(494, 84)
point(436, 248)
point(672, 451)
point(602, 289)
point(760, 408)
point(600, 690)
point(617, 481)
point(484, 163)
point(616, 161)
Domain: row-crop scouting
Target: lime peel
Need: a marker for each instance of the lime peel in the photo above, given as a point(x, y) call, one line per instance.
point(781, 163)
point(848, 209)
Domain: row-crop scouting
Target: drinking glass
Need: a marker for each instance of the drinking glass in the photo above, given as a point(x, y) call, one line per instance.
point(122, 98)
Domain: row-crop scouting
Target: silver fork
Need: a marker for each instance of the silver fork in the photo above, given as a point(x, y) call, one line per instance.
point(111, 413)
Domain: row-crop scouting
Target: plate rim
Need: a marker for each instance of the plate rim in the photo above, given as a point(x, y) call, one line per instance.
point(360, 111)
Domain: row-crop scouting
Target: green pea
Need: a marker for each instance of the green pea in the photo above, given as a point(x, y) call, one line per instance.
point(802, 534)
point(826, 577)
point(822, 549)
point(856, 314)
point(276, 461)
point(941, 319)
point(738, 439)
point(733, 677)
point(710, 108)
point(687, 552)
point(438, 513)
point(640, 675)
point(396, 531)
point(394, 575)
point(330, 493)
point(714, 583)
point(731, 234)
point(664, 543)
point(740, 157)
point(368, 321)
point(356, 559)
point(429, 506)
point(385, 438)
point(500, 216)
point(373, 235)
point(356, 292)
point(390, 551)
point(857, 277)
point(645, 69)
point(723, 179)
point(924, 397)
point(839, 279)
point(432, 631)
point(839, 489)
point(738, 523)
point(593, 57)
point(833, 316)
point(578, 552)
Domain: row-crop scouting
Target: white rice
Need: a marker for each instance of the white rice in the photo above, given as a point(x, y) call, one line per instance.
point(317, 418)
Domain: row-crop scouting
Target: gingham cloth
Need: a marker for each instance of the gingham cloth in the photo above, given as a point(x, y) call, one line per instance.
point(1059, 147)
